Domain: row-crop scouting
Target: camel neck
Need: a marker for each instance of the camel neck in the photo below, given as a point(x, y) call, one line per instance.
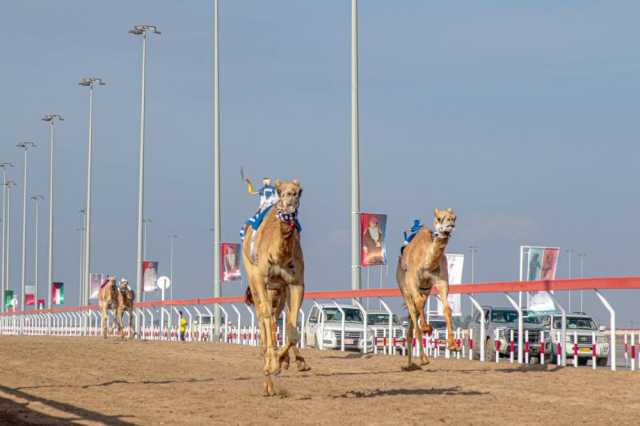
point(434, 253)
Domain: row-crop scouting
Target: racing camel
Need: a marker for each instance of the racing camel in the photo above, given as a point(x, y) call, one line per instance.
point(421, 266)
point(272, 258)
point(119, 299)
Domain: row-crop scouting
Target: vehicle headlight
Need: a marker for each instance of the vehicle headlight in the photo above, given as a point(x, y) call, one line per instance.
point(602, 339)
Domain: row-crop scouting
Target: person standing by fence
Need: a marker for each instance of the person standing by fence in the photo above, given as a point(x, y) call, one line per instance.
point(183, 326)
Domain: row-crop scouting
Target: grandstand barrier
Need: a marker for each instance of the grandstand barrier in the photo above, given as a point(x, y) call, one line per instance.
point(157, 320)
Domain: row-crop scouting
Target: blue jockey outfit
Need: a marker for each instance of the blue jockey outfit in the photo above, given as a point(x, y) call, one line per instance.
point(268, 198)
point(408, 236)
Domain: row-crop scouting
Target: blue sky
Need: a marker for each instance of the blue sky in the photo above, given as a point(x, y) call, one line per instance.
point(519, 115)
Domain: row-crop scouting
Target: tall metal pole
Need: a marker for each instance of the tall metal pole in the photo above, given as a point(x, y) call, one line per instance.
point(81, 266)
point(355, 153)
point(24, 146)
point(216, 162)
point(145, 223)
point(3, 281)
point(570, 253)
point(581, 256)
point(50, 118)
point(7, 270)
point(36, 199)
point(141, 30)
point(171, 248)
point(90, 82)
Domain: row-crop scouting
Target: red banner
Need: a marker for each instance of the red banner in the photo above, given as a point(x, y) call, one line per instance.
point(372, 234)
point(549, 263)
point(230, 262)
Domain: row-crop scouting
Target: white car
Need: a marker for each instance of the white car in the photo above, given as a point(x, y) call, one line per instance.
point(323, 328)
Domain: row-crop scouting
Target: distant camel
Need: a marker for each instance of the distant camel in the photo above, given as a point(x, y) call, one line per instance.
point(119, 299)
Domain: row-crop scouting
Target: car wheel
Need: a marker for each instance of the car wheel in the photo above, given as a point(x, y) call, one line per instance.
point(601, 362)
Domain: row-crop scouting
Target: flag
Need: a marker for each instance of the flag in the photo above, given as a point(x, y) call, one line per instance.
point(372, 245)
point(455, 264)
point(230, 262)
point(149, 275)
point(95, 280)
point(29, 295)
point(539, 263)
point(57, 293)
point(41, 303)
point(8, 299)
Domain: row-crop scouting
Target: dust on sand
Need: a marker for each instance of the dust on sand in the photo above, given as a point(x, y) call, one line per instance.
point(58, 380)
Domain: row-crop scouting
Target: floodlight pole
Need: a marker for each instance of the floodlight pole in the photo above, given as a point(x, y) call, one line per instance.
point(50, 118)
point(36, 199)
point(24, 146)
point(216, 163)
point(172, 238)
point(570, 253)
point(90, 82)
point(141, 30)
point(3, 281)
point(355, 153)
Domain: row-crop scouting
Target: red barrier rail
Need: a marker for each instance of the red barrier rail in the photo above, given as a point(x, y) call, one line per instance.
point(604, 283)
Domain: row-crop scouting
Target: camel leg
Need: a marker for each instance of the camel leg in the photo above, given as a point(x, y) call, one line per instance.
point(443, 292)
point(131, 319)
point(266, 317)
point(413, 323)
point(295, 296)
point(103, 321)
point(118, 319)
point(424, 328)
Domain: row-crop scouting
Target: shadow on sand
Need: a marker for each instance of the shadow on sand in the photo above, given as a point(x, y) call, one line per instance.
point(456, 390)
point(17, 413)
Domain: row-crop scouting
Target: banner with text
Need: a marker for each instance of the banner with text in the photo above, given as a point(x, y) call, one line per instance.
point(455, 265)
point(372, 234)
point(230, 262)
point(539, 263)
point(149, 275)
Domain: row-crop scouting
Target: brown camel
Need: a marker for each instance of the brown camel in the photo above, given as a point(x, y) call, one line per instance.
point(422, 265)
point(273, 260)
point(119, 299)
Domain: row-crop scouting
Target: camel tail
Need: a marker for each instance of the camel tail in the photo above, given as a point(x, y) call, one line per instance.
point(248, 297)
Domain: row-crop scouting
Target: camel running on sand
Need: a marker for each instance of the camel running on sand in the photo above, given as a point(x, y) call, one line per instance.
point(273, 260)
point(119, 299)
point(421, 266)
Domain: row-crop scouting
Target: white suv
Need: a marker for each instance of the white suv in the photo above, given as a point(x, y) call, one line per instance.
point(323, 328)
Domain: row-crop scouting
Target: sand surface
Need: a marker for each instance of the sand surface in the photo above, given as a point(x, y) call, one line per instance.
point(62, 380)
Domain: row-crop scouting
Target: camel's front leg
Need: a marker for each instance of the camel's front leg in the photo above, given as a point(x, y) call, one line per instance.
point(423, 329)
point(118, 320)
point(443, 293)
point(131, 320)
point(295, 296)
point(103, 320)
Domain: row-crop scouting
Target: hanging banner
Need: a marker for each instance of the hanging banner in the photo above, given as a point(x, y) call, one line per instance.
point(539, 263)
point(9, 300)
point(41, 303)
point(372, 233)
point(57, 293)
point(149, 275)
point(455, 265)
point(95, 281)
point(230, 262)
point(29, 295)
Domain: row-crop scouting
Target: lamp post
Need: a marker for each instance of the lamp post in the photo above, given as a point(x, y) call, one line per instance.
point(145, 232)
point(36, 199)
point(581, 256)
point(89, 82)
point(355, 153)
point(217, 288)
point(25, 147)
point(141, 30)
point(51, 119)
point(172, 239)
point(83, 230)
point(473, 250)
point(3, 283)
point(570, 253)
point(7, 270)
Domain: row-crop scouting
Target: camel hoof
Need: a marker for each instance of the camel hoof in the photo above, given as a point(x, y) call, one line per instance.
point(425, 361)
point(268, 387)
point(302, 366)
point(453, 348)
point(411, 367)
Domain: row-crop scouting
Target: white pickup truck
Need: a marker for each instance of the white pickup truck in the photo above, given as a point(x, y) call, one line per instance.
point(323, 329)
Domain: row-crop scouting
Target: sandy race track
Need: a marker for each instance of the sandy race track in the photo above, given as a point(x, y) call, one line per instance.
point(58, 380)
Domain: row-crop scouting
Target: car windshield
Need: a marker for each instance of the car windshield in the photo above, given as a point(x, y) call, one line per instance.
point(575, 323)
point(438, 324)
point(504, 316)
point(350, 314)
point(377, 319)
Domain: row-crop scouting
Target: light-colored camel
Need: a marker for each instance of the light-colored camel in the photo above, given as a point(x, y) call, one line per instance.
point(422, 266)
point(273, 260)
point(120, 299)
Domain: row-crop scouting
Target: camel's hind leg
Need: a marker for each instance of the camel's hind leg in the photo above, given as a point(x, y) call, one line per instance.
point(118, 320)
point(295, 296)
point(413, 325)
point(103, 321)
point(443, 292)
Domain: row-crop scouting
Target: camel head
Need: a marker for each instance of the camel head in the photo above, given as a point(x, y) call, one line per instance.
point(444, 222)
point(289, 193)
